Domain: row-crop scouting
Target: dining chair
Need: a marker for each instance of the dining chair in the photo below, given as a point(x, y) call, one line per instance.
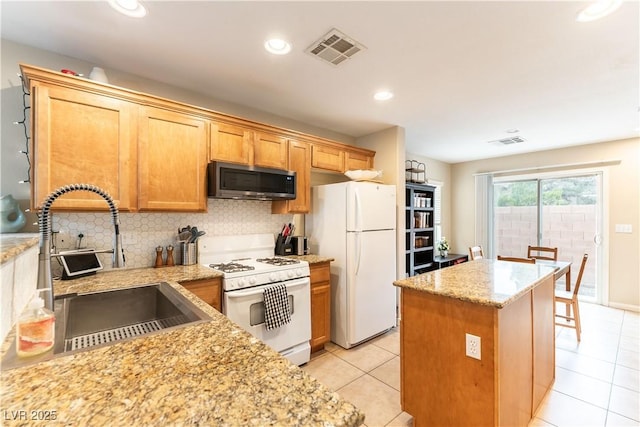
point(570, 299)
point(475, 252)
point(542, 252)
point(516, 259)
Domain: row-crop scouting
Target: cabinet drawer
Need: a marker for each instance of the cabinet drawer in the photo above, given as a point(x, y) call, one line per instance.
point(320, 273)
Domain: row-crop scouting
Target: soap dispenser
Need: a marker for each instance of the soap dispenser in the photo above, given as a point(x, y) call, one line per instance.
point(35, 330)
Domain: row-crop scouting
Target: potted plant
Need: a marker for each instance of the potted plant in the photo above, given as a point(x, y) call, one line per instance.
point(443, 247)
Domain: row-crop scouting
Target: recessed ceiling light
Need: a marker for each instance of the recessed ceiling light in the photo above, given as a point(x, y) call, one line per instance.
point(131, 8)
point(383, 95)
point(598, 9)
point(512, 130)
point(277, 46)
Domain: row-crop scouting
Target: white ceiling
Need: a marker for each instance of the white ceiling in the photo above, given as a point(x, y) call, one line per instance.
point(462, 72)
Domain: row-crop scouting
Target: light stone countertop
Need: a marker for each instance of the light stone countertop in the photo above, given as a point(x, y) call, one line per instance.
point(13, 244)
point(312, 258)
point(483, 281)
point(211, 373)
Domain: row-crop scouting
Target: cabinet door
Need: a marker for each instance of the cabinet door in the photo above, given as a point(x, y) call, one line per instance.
point(320, 306)
point(208, 290)
point(299, 161)
point(329, 158)
point(357, 161)
point(172, 162)
point(231, 143)
point(81, 137)
point(270, 150)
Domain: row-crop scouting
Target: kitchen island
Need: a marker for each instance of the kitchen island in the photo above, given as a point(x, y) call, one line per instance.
point(211, 373)
point(510, 307)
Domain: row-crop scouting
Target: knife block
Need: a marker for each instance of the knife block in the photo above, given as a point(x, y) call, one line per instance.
point(283, 248)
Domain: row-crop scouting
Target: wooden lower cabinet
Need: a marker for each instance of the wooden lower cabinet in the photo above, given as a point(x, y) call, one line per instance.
point(320, 305)
point(208, 290)
point(441, 386)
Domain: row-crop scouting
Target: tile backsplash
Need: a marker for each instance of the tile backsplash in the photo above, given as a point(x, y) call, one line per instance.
point(142, 232)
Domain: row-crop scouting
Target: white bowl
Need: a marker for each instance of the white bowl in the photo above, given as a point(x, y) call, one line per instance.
point(362, 175)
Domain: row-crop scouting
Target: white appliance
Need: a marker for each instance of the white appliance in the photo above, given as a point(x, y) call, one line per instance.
point(354, 223)
point(249, 266)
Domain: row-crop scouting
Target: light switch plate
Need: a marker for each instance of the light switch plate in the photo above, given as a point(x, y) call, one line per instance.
point(624, 228)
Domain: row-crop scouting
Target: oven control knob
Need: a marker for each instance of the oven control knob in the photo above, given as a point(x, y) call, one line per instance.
point(273, 277)
point(298, 272)
point(290, 273)
point(242, 282)
point(252, 280)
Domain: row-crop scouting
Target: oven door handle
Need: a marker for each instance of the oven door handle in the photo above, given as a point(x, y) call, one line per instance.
point(260, 289)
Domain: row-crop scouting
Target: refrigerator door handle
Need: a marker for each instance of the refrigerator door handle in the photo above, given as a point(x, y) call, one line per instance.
point(358, 251)
point(358, 211)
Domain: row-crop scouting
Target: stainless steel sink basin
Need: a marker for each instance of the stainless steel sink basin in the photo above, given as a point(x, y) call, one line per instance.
point(102, 318)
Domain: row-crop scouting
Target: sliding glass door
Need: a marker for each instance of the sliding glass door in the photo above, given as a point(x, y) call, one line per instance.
point(561, 211)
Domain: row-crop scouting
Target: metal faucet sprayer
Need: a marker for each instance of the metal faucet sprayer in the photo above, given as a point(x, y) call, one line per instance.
point(44, 258)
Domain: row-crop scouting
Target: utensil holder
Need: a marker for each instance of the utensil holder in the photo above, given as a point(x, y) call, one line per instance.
point(189, 253)
point(283, 248)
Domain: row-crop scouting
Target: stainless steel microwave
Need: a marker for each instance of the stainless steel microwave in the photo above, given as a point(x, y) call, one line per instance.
point(234, 181)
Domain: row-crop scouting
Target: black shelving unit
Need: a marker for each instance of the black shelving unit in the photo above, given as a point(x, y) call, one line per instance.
point(419, 234)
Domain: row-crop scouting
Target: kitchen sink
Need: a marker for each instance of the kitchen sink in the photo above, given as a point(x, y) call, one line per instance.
point(102, 318)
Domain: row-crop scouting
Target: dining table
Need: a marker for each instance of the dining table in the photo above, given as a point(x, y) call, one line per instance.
point(561, 268)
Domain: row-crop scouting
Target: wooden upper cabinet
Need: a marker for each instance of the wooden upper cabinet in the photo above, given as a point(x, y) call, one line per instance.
point(327, 157)
point(82, 137)
point(231, 143)
point(172, 161)
point(269, 150)
point(355, 161)
point(299, 160)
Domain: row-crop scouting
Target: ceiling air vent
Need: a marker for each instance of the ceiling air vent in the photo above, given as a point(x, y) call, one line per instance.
point(334, 47)
point(508, 141)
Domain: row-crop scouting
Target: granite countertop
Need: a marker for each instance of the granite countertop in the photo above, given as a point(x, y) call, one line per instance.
point(211, 373)
point(13, 244)
point(312, 258)
point(483, 281)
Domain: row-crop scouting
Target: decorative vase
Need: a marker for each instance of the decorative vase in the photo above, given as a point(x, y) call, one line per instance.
point(98, 75)
point(444, 254)
point(12, 219)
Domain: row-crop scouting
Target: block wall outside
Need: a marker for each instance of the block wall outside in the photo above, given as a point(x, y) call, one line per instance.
point(570, 228)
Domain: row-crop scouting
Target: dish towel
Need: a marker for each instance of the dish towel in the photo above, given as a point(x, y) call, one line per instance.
point(277, 311)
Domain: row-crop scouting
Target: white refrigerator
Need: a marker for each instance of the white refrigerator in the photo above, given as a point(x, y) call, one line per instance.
point(355, 223)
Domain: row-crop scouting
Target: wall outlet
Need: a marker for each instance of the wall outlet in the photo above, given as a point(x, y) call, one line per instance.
point(473, 347)
point(624, 228)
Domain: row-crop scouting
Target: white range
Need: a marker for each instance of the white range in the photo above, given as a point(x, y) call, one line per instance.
point(249, 266)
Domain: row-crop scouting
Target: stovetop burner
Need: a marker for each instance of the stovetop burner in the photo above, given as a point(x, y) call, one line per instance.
point(278, 261)
point(231, 267)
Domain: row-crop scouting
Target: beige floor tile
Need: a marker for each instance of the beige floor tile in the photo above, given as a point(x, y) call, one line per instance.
point(366, 356)
point(332, 371)
point(331, 346)
point(389, 341)
point(588, 389)
point(379, 402)
point(402, 420)
point(629, 359)
point(627, 378)
point(585, 365)
point(389, 373)
point(562, 410)
point(629, 343)
point(615, 420)
point(625, 402)
point(600, 346)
